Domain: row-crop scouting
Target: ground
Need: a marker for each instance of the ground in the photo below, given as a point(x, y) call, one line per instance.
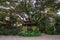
point(43, 37)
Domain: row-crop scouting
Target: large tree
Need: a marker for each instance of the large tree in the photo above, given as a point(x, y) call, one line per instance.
point(40, 11)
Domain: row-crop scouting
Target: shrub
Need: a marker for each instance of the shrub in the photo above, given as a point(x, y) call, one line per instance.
point(24, 28)
point(13, 31)
point(1, 32)
point(48, 30)
point(35, 28)
point(30, 33)
point(57, 25)
point(33, 32)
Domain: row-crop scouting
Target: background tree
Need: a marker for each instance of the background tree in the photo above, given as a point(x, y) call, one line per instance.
point(45, 12)
point(41, 12)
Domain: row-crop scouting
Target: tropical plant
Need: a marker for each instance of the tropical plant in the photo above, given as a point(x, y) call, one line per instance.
point(41, 13)
point(35, 28)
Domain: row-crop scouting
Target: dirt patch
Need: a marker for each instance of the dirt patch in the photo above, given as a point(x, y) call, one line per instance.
point(43, 37)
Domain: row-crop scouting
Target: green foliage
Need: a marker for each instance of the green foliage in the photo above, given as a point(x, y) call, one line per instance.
point(3, 13)
point(35, 28)
point(30, 33)
point(24, 28)
point(13, 31)
point(48, 30)
point(33, 32)
point(57, 25)
point(2, 1)
point(24, 7)
point(36, 15)
point(1, 33)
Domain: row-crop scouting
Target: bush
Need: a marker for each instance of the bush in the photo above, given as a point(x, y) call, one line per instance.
point(57, 25)
point(30, 33)
point(1, 32)
point(35, 28)
point(21, 31)
point(48, 30)
point(33, 32)
point(24, 28)
point(13, 31)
